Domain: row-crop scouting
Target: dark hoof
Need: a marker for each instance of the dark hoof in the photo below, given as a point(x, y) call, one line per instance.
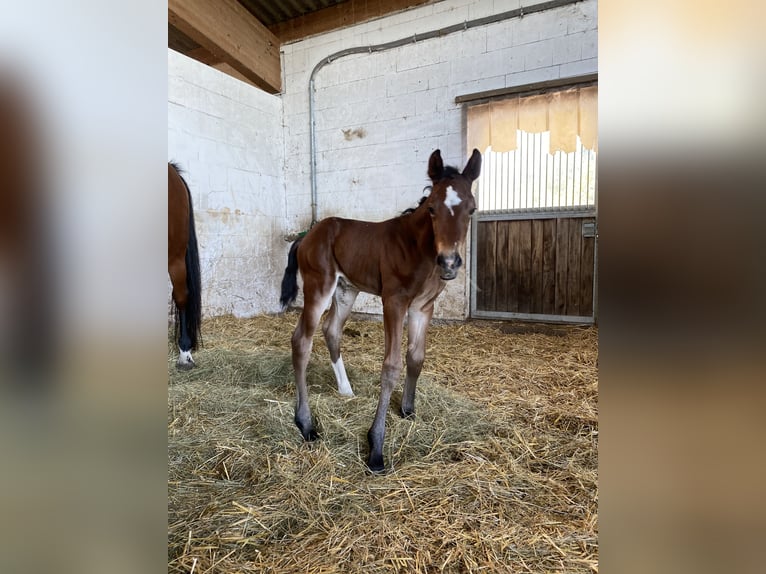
point(309, 434)
point(406, 414)
point(375, 464)
point(185, 366)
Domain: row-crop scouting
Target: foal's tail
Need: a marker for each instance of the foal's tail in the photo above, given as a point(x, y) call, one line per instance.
point(193, 280)
point(290, 280)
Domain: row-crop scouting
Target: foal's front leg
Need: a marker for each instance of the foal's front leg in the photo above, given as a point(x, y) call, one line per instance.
point(417, 325)
point(393, 318)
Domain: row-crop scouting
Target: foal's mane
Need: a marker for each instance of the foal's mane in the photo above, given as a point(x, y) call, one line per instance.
point(449, 172)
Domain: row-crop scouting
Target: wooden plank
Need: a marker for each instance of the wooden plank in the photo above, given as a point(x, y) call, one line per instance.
point(587, 270)
point(486, 270)
point(203, 56)
point(338, 16)
point(562, 250)
point(227, 69)
point(529, 89)
point(513, 266)
point(525, 266)
point(573, 266)
point(503, 297)
point(549, 266)
point(481, 264)
point(229, 32)
point(536, 269)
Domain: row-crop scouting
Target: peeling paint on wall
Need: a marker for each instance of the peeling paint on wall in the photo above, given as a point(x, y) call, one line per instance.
point(228, 137)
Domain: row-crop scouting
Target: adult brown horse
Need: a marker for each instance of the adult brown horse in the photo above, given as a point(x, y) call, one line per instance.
point(405, 260)
point(183, 267)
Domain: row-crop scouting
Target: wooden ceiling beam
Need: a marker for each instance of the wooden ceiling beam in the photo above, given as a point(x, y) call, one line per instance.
point(232, 36)
point(339, 16)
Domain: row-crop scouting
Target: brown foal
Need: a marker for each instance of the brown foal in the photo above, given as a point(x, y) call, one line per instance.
point(405, 260)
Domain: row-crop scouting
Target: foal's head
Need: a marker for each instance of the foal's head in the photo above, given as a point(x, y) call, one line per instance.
point(451, 204)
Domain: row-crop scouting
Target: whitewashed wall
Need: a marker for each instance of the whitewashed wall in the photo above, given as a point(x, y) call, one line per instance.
point(228, 138)
point(380, 115)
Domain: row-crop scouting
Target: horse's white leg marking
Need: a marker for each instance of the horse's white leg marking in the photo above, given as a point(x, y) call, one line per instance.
point(344, 386)
point(452, 199)
point(343, 300)
point(185, 358)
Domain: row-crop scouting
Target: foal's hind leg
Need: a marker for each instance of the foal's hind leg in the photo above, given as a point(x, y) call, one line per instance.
point(316, 295)
point(342, 302)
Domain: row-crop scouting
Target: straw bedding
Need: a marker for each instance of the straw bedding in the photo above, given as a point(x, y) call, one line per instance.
point(496, 473)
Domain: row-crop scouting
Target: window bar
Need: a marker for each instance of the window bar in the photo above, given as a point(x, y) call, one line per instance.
point(531, 195)
point(532, 174)
point(541, 188)
point(523, 170)
point(506, 184)
point(497, 183)
point(587, 180)
point(544, 198)
point(522, 161)
point(582, 157)
point(559, 201)
point(565, 160)
point(517, 161)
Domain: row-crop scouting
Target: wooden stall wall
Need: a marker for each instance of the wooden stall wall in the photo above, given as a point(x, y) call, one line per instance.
point(536, 266)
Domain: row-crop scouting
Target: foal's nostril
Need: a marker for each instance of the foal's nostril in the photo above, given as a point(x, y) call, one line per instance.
point(451, 262)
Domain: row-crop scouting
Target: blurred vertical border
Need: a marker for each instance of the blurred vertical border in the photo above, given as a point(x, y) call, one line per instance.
point(681, 284)
point(83, 286)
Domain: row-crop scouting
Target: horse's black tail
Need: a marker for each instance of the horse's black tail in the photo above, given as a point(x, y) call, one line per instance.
point(290, 280)
point(193, 281)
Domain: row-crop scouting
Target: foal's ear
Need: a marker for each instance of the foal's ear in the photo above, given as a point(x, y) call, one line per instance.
point(473, 167)
point(435, 166)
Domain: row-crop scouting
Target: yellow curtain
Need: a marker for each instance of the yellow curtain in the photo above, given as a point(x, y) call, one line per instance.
point(589, 117)
point(563, 119)
point(533, 114)
point(504, 117)
point(478, 127)
point(566, 114)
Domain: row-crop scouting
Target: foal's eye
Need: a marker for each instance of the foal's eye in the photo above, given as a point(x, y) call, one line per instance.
point(432, 211)
point(472, 211)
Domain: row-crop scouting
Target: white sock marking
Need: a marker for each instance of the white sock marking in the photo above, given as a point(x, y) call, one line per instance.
point(452, 200)
point(344, 386)
point(185, 358)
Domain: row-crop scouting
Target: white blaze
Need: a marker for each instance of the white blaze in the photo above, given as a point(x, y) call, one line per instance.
point(451, 200)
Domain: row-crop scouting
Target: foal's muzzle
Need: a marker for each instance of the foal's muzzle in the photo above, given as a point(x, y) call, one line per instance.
point(449, 265)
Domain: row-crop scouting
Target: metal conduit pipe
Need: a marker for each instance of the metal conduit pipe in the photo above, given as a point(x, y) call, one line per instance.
point(517, 13)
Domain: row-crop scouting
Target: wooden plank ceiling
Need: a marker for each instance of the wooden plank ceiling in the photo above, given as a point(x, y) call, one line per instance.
point(242, 37)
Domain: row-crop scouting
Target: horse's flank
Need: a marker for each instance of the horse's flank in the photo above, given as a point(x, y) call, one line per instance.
point(183, 267)
point(357, 255)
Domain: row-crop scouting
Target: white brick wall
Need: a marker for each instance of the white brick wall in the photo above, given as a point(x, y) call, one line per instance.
point(378, 116)
point(228, 138)
point(404, 101)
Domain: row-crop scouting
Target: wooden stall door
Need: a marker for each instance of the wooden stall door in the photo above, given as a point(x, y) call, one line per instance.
point(536, 269)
